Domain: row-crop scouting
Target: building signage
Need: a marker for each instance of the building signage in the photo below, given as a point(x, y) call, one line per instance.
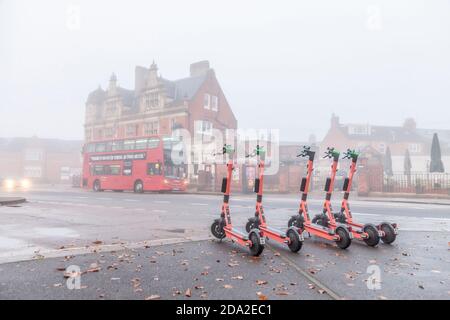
point(120, 156)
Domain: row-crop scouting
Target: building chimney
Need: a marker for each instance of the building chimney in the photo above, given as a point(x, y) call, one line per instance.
point(199, 68)
point(139, 78)
point(334, 121)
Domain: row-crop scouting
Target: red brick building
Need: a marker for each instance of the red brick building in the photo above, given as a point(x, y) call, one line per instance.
point(158, 106)
point(364, 136)
point(41, 160)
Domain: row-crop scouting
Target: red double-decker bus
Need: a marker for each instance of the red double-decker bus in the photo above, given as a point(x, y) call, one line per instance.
point(139, 164)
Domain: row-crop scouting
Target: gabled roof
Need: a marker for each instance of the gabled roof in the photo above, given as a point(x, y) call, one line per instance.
point(50, 145)
point(385, 133)
point(178, 90)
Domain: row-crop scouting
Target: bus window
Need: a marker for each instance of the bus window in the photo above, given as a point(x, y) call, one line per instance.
point(174, 171)
point(100, 147)
point(153, 143)
point(108, 146)
point(128, 144)
point(154, 169)
point(90, 147)
point(98, 170)
point(127, 168)
point(141, 144)
point(117, 145)
point(114, 169)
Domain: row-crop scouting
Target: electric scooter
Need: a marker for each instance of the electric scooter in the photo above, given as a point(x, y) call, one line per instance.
point(291, 237)
point(369, 233)
point(324, 227)
point(222, 227)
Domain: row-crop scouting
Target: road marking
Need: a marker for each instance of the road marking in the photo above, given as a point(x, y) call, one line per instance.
point(104, 198)
point(161, 201)
point(131, 200)
point(159, 211)
point(438, 219)
point(308, 276)
point(81, 197)
point(198, 204)
point(365, 214)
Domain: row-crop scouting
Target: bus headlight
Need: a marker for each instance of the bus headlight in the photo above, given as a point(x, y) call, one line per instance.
point(166, 181)
point(185, 181)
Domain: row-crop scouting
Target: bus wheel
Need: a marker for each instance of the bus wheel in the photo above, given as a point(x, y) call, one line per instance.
point(96, 186)
point(138, 186)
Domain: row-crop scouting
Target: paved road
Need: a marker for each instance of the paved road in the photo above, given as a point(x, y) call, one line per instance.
point(63, 222)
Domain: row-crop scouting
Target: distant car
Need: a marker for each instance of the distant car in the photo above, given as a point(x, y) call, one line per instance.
point(15, 183)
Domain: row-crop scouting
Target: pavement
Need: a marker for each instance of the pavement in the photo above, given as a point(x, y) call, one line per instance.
point(57, 228)
point(10, 201)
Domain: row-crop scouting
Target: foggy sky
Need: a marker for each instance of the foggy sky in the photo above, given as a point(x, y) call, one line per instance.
point(282, 64)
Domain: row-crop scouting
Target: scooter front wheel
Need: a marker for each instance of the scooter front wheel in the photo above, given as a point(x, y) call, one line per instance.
point(344, 238)
point(217, 230)
point(257, 247)
point(294, 240)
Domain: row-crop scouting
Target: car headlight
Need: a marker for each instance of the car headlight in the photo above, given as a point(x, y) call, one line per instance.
point(166, 181)
point(25, 183)
point(9, 183)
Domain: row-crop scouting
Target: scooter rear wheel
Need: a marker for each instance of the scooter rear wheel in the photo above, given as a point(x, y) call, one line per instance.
point(296, 221)
point(372, 232)
point(389, 233)
point(251, 224)
point(217, 230)
point(294, 240)
point(257, 247)
point(344, 238)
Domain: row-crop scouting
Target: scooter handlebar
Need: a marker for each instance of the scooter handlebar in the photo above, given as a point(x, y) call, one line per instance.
point(331, 153)
point(304, 152)
point(350, 154)
point(227, 148)
point(259, 150)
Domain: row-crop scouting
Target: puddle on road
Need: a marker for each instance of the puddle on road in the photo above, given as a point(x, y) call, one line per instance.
point(57, 232)
point(10, 242)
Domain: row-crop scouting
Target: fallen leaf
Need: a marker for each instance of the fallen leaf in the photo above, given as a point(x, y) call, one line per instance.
point(282, 293)
point(188, 293)
point(97, 242)
point(261, 296)
point(219, 279)
point(382, 298)
point(421, 286)
point(228, 286)
point(321, 291)
point(153, 297)
point(237, 278)
point(57, 285)
point(261, 282)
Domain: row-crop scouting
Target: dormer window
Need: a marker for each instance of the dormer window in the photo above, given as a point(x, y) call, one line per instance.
point(207, 101)
point(215, 103)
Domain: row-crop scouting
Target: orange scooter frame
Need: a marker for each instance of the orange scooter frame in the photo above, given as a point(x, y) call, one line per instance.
point(291, 237)
point(223, 228)
point(332, 231)
point(369, 233)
